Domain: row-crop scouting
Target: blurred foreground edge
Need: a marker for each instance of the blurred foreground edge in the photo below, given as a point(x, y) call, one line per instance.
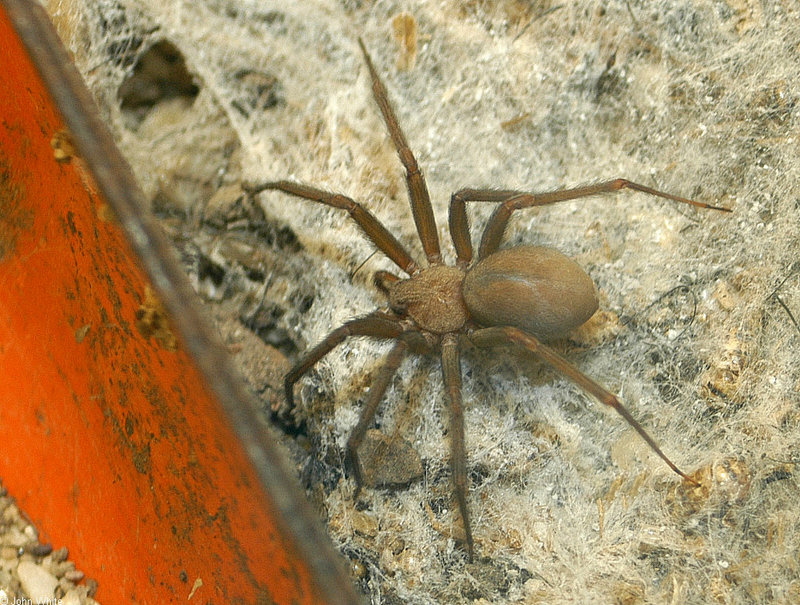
point(125, 434)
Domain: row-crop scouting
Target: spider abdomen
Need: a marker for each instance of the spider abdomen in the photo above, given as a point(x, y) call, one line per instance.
point(533, 288)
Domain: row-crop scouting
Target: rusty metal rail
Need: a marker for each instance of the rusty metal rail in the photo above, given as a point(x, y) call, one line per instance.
point(125, 433)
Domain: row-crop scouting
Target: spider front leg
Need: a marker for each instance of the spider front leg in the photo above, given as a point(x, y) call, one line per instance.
point(417, 189)
point(488, 337)
point(373, 228)
point(377, 325)
point(451, 374)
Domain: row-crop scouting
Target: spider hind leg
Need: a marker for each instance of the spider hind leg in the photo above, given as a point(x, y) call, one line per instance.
point(503, 335)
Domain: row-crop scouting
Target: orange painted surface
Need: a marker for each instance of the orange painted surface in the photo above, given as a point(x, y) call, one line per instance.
point(109, 438)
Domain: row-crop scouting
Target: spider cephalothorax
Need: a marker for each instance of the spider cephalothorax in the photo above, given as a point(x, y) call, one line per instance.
point(525, 295)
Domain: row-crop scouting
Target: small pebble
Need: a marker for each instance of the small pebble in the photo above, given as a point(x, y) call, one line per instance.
point(91, 587)
point(74, 575)
point(37, 549)
point(71, 598)
point(364, 524)
point(60, 554)
point(40, 585)
point(8, 552)
point(388, 461)
point(358, 569)
point(14, 537)
point(59, 569)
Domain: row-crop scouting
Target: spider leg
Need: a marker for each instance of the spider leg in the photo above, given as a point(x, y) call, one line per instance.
point(451, 374)
point(374, 397)
point(377, 325)
point(383, 280)
point(487, 337)
point(514, 200)
point(417, 189)
point(373, 228)
point(458, 222)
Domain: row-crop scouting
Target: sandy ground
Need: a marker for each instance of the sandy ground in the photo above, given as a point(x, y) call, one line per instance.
point(697, 328)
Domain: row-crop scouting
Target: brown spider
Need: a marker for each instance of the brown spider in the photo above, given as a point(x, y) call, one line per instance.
point(524, 295)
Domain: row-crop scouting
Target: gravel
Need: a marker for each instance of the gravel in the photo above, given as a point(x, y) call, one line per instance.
point(33, 572)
